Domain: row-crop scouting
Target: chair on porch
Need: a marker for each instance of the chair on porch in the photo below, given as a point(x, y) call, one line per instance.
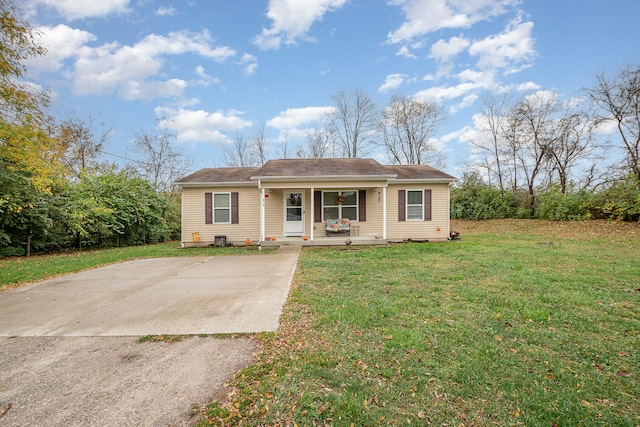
point(339, 225)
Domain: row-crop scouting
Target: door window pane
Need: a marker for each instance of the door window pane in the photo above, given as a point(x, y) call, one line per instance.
point(294, 214)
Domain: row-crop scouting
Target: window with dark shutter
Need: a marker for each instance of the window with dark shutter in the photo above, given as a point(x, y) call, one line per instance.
point(401, 206)
point(362, 205)
point(208, 208)
point(427, 205)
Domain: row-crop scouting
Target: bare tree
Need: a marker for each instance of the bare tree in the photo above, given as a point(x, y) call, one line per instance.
point(80, 144)
point(282, 150)
point(407, 127)
point(618, 98)
point(158, 162)
point(533, 135)
point(319, 141)
point(239, 153)
point(354, 122)
point(259, 146)
point(492, 141)
point(572, 143)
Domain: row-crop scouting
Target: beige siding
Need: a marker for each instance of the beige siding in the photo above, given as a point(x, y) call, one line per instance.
point(193, 213)
point(193, 216)
point(419, 230)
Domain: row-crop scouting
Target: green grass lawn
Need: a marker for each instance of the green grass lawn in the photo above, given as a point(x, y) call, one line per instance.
point(529, 323)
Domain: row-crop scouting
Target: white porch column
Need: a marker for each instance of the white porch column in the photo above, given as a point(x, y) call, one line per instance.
point(384, 213)
point(313, 211)
point(262, 231)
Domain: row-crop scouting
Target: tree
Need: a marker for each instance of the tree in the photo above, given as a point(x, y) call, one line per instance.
point(354, 122)
point(158, 162)
point(259, 146)
point(571, 145)
point(239, 153)
point(318, 143)
point(533, 133)
point(618, 99)
point(491, 141)
point(407, 127)
point(81, 146)
point(18, 43)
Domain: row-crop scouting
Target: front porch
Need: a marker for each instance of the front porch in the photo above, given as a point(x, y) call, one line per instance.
point(337, 240)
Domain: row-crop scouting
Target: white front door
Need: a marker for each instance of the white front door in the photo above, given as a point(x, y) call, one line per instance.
point(294, 213)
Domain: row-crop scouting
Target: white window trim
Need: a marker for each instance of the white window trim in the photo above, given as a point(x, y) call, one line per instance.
point(406, 214)
point(213, 208)
point(357, 205)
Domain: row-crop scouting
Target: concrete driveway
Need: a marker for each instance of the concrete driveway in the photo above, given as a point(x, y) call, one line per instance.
point(69, 350)
point(224, 294)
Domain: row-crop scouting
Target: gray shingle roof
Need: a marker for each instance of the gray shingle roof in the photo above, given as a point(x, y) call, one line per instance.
point(315, 168)
point(219, 175)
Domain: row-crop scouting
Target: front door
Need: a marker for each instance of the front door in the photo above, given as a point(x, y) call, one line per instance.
point(294, 213)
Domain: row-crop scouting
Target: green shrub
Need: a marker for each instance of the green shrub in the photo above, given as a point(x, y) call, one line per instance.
point(556, 206)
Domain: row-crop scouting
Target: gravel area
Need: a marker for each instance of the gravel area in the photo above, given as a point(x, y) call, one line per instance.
point(114, 381)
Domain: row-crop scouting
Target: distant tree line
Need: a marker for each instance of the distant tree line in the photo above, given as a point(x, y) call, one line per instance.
point(543, 157)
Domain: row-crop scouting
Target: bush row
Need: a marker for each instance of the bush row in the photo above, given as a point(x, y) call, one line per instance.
point(477, 201)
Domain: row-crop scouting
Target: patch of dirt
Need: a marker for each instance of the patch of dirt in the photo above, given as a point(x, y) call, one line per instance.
point(115, 381)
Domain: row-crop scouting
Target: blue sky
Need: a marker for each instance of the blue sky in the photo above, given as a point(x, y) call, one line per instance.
point(210, 70)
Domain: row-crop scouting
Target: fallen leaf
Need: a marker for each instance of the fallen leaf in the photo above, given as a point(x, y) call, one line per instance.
point(623, 373)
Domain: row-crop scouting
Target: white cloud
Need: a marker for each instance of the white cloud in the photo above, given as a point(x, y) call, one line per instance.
point(75, 9)
point(200, 125)
point(166, 11)
point(62, 43)
point(426, 16)
point(295, 117)
point(292, 20)
point(132, 90)
point(505, 50)
point(205, 79)
point(445, 51)
point(393, 81)
point(250, 63)
point(112, 67)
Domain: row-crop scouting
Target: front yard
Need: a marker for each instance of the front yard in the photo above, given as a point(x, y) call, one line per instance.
point(519, 323)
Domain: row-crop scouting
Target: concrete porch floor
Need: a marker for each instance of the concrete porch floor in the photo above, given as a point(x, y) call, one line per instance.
point(334, 240)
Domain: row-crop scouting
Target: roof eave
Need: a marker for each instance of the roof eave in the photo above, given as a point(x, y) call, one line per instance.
point(324, 178)
point(423, 180)
point(216, 184)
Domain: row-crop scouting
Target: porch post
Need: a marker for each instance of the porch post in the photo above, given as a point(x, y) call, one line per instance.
point(384, 213)
point(261, 212)
point(313, 211)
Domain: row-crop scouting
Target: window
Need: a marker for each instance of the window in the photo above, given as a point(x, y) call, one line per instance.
point(415, 205)
point(340, 204)
point(222, 208)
